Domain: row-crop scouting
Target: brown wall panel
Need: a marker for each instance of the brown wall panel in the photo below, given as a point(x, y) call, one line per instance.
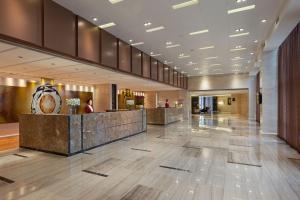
point(146, 66)
point(22, 19)
point(288, 89)
point(88, 41)
point(108, 49)
point(136, 61)
point(154, 70)
point(124, 56)
point(160, 72)
point(166, 73)
point(171, 78)
point(175, 81)
point(59, 28)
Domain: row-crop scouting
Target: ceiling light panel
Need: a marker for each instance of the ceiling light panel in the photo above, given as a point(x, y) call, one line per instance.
point(137, 44)
point(155, 29)
point(173, 46)
point(110, 24)
point(207, 47)
point(185, 4)
point(239, 35)
point(241, 9)
point(199, 32)
point(115, 1)
point(211, 58)
point(239, 49)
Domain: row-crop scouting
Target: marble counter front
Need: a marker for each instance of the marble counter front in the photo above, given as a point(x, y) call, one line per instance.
point(164, 116)
point(71, 134)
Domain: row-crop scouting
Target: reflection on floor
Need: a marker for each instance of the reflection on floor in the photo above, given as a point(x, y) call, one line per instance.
point(9, 136)
point(209, 157)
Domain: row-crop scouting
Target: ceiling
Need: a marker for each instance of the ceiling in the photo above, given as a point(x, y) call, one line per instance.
point(22, 63)
point(131, 15)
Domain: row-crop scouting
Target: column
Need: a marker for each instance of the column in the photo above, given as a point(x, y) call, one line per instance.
point(269, 92)
point(252, 97)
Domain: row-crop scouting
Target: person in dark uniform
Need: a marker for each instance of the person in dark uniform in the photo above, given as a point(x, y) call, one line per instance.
point(89, 106)
point(167, 103)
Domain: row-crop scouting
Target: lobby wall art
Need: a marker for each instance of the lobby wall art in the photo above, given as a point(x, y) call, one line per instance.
point(46, 100)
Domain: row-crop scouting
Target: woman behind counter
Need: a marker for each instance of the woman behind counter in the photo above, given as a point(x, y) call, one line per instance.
point(89, 106)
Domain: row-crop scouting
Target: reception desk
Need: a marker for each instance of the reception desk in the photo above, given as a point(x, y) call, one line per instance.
point(71, 134)
point(164, 116)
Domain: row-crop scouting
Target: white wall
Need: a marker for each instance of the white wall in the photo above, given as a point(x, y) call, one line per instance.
point(252, 97)
point(269, 86)
point(219, 82)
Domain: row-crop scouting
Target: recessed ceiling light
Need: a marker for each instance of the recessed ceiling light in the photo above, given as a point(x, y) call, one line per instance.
point(199, 32)
point(210, 58)
point(185, 4)
point(95, 19)
point(196, 68)
point(138, 43)
point(110, 24)
point(151, 53)
point(147, 24)
point(239, 34)
point(155, 29)
point(191, 63)
point(130, 41)
point(241, 9)
point(215, 65)
point(239, 30)
point(114, 1)
point(263, 20)
point(184, 56)
point(237, 58)
point(208, 47)
point(239, 49)
point(168, 43)
point(154, 55)
point(252, 53)
point(255, 41)
point(172, 46)
point(240, 1)
point(166, 68)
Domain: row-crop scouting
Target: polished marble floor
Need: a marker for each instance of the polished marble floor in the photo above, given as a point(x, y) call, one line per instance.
point(207, 157)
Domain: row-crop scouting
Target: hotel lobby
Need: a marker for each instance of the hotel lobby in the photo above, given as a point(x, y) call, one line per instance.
point(149, 99)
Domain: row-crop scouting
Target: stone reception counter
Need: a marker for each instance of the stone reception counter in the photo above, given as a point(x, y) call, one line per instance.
point(71, 134)
point(164, 116)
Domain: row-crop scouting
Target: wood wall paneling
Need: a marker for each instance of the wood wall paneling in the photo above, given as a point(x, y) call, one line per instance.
point(108, 49)
point(59, 28)
point(175, 78)
point(171, 77)
point(22, 19)
point(154, 70)
point(146, 66)
point(288, 89)
point(124, 56)
point(160, 72)
point(166, 74)
point(136, 61)
point(88, 41)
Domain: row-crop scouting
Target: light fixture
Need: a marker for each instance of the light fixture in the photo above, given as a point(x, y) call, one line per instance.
point(255, 41)
point(155, 29)
point(240, 1)
point(155, 55)
point(238, 49)
point(263, 20)
point(138, 43)
point(168, 43)
point(252, 53)
point(183, 56)
point(151, 53)
point(199, 32)
point(239, 34)
point(207, 47)
point(147, 24)
point(130, 41)
point(110, 24)
point(215, 65)
point(237, 58)
point(196, 68)
point(185, 4)
point(210, 58)
point(172, 46)
point(95, 19)
point(191, 63)
point(241, 9)
point(239, 30)
point(114, 1)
